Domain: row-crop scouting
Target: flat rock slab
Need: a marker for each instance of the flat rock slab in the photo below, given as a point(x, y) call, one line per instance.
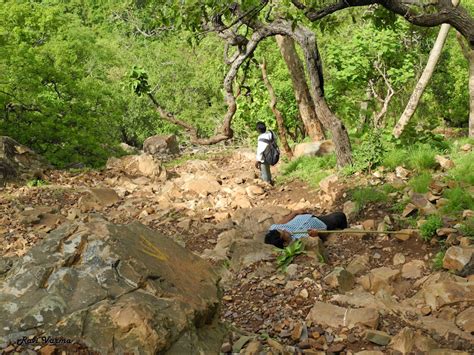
point(119, 288)
point(327, 314)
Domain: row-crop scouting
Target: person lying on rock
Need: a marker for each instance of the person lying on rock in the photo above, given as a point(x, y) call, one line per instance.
point(281, 235)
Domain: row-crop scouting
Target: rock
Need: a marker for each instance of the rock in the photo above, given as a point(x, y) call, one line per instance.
point(203, 186)
point(341, 279)
point(467, 214)
point(19, 162)
point(379, 278)
point(359, 264)
point(254, 222)
point(328, 184)
point(254, 190)
point(226, 347)
point(445, 163)
point(135, 289)
point(241, 202)
point(275, 345)
point(466, 147)
point(398, 259)
point(369, 224)
point(444, 232)
point(465, 320)
point(313, 149)
point(304, 293)
point(402, 173)
point(405, 234)
point(404, 341)
point(246, 252)
point(161, 145)
point(326, 314)
point(456, 258)
point(350, 209)
point(422, 204)
point(138, 165)
point(465, 242)
point(369, 352)
point(413, 269)
point(447, 352)
point(292, 270)
point(239, 344)
point(314, 248)
point(409, 209)
point(253, 348)
point(438, 291)
point(377, 337)
point(297, 331)
point(336, 348)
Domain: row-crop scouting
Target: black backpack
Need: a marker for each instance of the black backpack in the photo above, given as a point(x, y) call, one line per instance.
point(271, 154)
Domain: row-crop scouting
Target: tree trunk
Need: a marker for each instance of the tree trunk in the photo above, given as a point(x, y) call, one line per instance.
point(469, 55)
point(276, 112)
point(303, 97)
point(424, 79)
point(340, 137)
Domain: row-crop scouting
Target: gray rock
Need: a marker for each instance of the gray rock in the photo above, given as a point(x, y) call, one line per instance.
point(161, 145)
point(119, 288)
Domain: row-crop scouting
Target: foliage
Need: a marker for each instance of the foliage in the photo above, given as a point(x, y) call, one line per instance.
point(438, 260)
point(420, 183)
point(428, 229)
point(364, 195)
point(139, 81)
point(421, 157)
point(309, 169)
point(368, 154)
point(463, 171)
point(36, 183)
point(459, 199)
point(288, 254)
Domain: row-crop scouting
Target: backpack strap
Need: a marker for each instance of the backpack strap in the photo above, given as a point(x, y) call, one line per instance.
point(268, 141)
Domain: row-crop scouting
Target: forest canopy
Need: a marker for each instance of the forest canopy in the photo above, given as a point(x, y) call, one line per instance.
point(64, 88)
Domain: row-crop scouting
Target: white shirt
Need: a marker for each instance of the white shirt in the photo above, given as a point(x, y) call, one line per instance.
point(262, 145)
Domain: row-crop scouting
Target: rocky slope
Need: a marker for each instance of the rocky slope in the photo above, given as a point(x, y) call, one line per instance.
point(374, 294)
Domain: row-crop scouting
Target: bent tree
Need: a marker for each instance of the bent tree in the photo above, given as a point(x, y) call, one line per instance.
point(244, 24)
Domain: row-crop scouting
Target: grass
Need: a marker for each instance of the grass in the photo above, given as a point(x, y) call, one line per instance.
point(467, 228)
point(399, 206)
point(428, 229)
point(309, 169)
point(364, 195)
point(420, 183)
point(463, 171)
point(394, 158)
point(36, 183)
point(458, 200)
point(422, 157)
point(438, 260)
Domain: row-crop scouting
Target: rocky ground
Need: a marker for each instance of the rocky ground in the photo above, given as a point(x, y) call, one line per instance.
point(374, 294)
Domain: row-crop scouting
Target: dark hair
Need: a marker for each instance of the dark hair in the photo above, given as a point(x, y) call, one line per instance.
point(261, 128)
point(273, 237)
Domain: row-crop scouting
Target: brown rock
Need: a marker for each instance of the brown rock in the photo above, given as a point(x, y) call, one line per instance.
point(444, 232)
point(328, 183)
point(413, 269)
point(334, 316)
point(405, 234)
point(445, 163)
point(359, 263)
point(409, 209)
point(379, 278)
point(402, 173)
point(398, 259)
point(465, 320)
point(456, 258)
point(336, 348)
point(369, 224)
point(226, 348)
point(47, 350)
point(340, 279)
point(467, 214)
point(159, 145)
point(297, 331)
point(275, 345)
point(404, 341)
point(252, 348)
point(350, 209)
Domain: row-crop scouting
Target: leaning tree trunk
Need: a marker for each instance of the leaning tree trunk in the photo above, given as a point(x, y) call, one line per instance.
point(303, 97)
point(469, 55)
point(424, 79)
point(276, 112)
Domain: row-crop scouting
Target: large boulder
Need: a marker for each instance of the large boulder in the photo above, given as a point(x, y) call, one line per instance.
point(138, 165)
point(117, 288)
point(161, 145)
point(18, 161)
point(313, 149)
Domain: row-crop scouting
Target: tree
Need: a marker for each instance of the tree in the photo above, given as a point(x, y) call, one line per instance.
point(469, 55)
point(303, 97)
point(424, 79)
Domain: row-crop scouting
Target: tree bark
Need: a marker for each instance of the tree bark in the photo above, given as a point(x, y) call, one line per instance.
point(469, 55)
point(276, 112)
point(303, 97)
point(423, 81)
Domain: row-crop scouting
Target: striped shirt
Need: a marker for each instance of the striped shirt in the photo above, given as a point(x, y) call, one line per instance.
point(302, 222)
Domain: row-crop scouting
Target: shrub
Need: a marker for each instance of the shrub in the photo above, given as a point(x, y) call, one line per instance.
point(428, 229)
point(364, 195)
point(288, 254)
point(395, 157)
point(467, 228)
point(421, 182)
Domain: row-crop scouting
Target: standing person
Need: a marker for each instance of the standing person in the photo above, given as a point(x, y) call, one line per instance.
point(262, 144)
